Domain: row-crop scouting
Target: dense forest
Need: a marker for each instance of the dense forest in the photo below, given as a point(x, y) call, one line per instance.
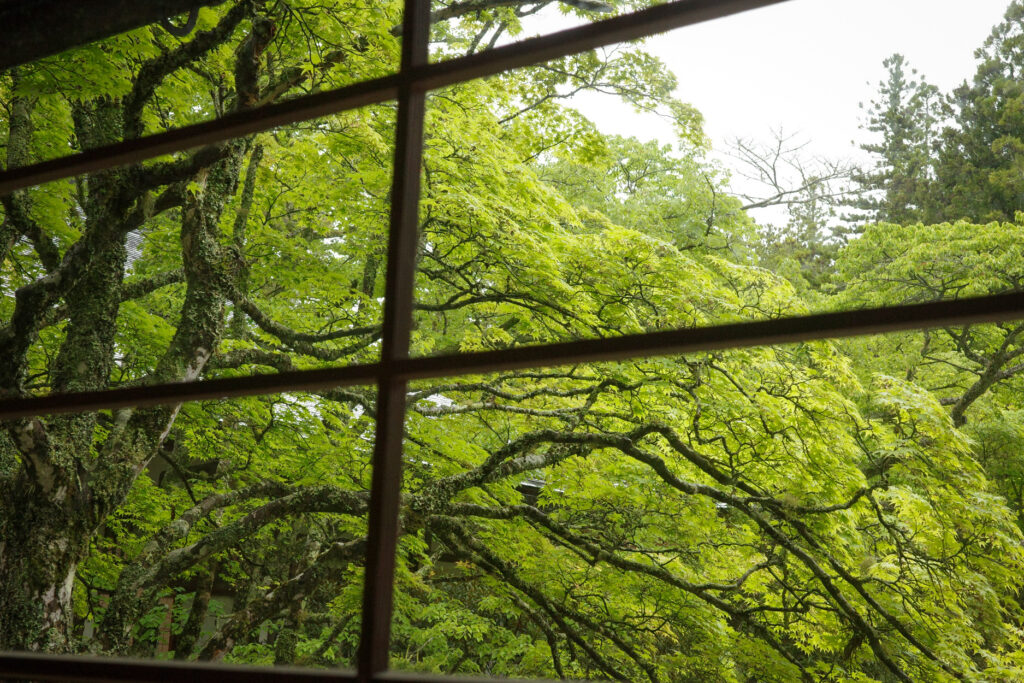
point(827, 511)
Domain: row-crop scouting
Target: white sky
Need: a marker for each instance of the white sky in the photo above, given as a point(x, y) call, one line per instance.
point(803, 66)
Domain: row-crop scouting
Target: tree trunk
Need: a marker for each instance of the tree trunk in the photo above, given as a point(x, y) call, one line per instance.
point(41, 544)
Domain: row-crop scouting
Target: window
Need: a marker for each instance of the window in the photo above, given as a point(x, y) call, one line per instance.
point(424, 381)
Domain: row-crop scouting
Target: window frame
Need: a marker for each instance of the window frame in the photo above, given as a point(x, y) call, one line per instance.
point(415, 78)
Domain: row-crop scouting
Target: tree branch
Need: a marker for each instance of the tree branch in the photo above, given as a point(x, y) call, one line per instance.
point(153, 72)
point(328, 564)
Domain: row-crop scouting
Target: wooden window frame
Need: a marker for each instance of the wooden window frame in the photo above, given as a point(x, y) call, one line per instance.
point(414, 79)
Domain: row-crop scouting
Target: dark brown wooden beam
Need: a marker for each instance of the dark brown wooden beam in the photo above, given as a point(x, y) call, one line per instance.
point(422, 77)
point(33, 29)
point(233, 125)
point(412, 677)
point(42, 667)
point(987, 309)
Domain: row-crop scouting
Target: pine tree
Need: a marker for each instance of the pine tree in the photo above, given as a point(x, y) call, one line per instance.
point(980, 167)
point(905, 116)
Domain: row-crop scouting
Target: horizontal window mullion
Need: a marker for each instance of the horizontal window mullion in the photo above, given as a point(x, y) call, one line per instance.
point(425, 77)
point(987, 309)
point(639, 24)
point(70, 24)
point(234, 125)
point(159, 394)
point(42, 667)
point(412, 677)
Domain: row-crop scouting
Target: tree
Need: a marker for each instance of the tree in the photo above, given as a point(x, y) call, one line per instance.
point(942, 262)
point(671, 194)
point(955, 157)
point(93, 309)
point(665, 547)
point(811, 191)
point(96, 312)
point(979, 167)
point(906, 117)
point(974, 370)
point(723, 515)
point(485, 22)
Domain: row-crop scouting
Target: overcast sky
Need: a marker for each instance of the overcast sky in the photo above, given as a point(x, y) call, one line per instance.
point(806, 65)
point(803, 66)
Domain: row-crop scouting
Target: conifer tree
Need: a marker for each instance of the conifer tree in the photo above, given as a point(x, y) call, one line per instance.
point(980, 167)
point(903, 118)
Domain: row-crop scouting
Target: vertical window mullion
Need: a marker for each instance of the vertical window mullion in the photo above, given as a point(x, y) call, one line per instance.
point(391, 388)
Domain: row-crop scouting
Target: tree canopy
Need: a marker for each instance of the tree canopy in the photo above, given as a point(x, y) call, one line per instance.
point(822, 511)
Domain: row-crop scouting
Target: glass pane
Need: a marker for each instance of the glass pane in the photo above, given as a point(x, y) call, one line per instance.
point(263, 255)
point(601, 194)
point(767, 514)
point(229, 531)
point(463, 28)
point(148, 81)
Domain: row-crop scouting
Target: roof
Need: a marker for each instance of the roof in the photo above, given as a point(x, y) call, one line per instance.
point(33, 29)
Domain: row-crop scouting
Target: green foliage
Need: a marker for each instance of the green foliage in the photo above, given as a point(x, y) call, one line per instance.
point(950, 157)
point(906, 117)
point(817, 511)
point(668, 194)
point(913, 263)
point(979, 166)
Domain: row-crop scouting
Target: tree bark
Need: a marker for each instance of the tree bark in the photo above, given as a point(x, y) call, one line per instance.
point(42, 540)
